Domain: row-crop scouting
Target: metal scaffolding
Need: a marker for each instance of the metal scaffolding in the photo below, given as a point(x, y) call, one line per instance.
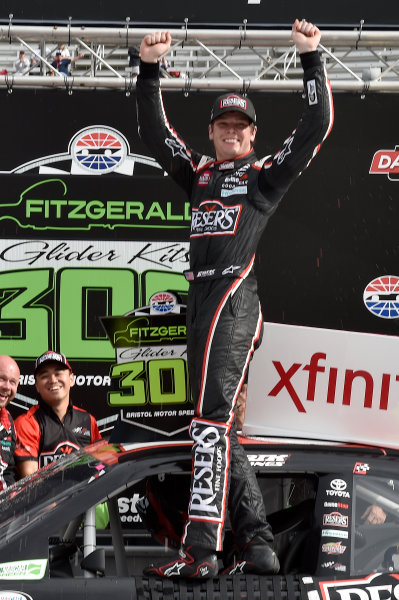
point(357, 61)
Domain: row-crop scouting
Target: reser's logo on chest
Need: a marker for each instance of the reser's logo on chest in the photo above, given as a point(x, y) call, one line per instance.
point(212, 217)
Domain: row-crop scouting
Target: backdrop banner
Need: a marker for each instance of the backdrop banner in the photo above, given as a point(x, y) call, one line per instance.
point(91, 227)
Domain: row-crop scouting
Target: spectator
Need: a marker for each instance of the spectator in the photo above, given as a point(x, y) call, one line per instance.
point(22, 64)
point(63, 48)
point(9, 379)
point(163, 67)
point(54, 427)
point(34, 62)
point(63, 64)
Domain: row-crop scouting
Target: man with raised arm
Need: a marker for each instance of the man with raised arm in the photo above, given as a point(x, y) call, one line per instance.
point(232, 198)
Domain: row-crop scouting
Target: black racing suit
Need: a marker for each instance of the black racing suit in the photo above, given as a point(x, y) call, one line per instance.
point(231, 202)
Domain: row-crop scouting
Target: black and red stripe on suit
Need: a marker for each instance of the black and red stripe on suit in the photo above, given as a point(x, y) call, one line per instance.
point(231, 202)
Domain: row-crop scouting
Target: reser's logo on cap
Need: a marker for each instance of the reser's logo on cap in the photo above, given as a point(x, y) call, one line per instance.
point(233, 101)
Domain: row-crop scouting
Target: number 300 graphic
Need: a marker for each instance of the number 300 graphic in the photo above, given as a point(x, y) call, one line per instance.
point(45, 308)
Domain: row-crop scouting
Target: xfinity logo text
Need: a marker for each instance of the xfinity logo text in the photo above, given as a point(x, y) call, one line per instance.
point(374, 391)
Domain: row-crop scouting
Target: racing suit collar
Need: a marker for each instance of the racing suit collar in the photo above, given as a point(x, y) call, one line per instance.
point(238, 161)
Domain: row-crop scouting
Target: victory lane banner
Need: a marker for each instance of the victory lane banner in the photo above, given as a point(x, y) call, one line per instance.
point(91, 227)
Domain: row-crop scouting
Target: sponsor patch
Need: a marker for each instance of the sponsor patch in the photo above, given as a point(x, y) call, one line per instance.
point(240, 189)
point(233, 101)
point(335, 566)
point(361, 468)
point(268, 460)
point(231, 269)
point(333, 548)
point(209, 471)
point(335, 519)
point(204, 178)
point(336, 533)
point(212, 217)
point(226, 166)
point(285, 151)
point(206, 273)
point(312, 94)
point(338, 489)
point(176, 148)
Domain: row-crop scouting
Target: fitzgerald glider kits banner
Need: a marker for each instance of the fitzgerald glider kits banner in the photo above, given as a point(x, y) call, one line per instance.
point(94, 240)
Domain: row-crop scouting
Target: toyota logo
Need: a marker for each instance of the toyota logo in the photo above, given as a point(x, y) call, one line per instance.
point(338, 485)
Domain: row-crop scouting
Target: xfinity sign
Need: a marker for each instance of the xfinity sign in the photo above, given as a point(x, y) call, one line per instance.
point(324, 384)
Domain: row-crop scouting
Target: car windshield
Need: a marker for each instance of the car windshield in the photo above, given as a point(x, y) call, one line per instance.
point(28, 499)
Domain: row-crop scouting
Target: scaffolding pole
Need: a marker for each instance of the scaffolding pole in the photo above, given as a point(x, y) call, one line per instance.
point(182, 85)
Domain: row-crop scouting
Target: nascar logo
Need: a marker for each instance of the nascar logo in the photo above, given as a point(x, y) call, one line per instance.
point(162, 302)
point(381, 297)
point(99, 150)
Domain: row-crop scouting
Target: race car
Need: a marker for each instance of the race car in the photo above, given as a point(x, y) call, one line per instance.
point(319, 497)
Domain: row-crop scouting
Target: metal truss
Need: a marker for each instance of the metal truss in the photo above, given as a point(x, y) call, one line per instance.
point(204, 59)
